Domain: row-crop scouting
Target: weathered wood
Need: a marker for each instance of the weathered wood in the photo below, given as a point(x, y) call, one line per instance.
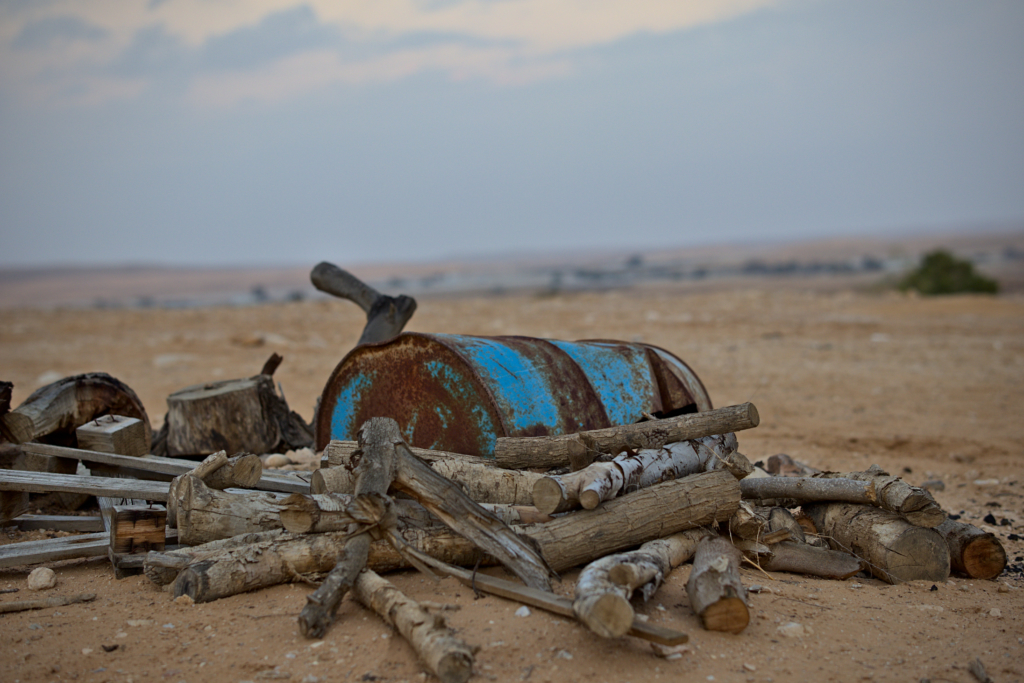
point(605, 586)
point(136, 529)
point(661, 510)
point(339, 453)
point(912, 502)
point(972, 551)
point(809, 490)
point(54, 411)
point(603, 481)
point(894, 549)
point(445, 656)
point(54, 549)
point(714, 587)
point(801, 558)
point(230, 415)
point(58, 523)
point(41, 482)
point(386, 316)
point(13, 504)
point(114, 434)
point(43, 603)
point(320, 513)
point(6, 389)
point(781, 465)
point(167, 468)
point(554, 451)
point(204, 514)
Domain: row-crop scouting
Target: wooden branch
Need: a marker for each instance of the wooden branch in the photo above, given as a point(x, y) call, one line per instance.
point(55, 410)
point(559, 451)
point(894, 549)
point(54, 549)
point(204, 514)
point(321, 513)
point(339, 453)
point(801, 558)
point(385, 316)
point(781, 465)
point(445, 656)
point(43, 603)
point(894, 494)
point(809, 490)
point(714, 587)
point(602, 481)
point(41, 482)
point(972, 551)
point(605, 586)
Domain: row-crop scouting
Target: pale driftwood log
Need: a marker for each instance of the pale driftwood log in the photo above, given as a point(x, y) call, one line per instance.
point(114, 434)
point(714, 587)
point(605, 586)
point(43, 603)
point(386, 316)
point(54, 549)
point(54, 411)
point(894, 549)
point(479, 478)
point(602, 481)
point(973, 552)
point(42, 482)
point(583, 447)
point(445, 656)
point(374, 476)
point(809, 490)
point(801, 558)
point(204, 514)
point(893, 494)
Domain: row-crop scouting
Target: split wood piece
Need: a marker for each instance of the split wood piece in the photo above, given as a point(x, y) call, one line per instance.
point(749, 522)
point(282, 558)
point(58, 523)
point(386, 316)
point(114, 434)
point(204, 514)
point(165, 469)
point(41, 482)
point(559, 451)
point(602, 481)
point(800, 490)
point(914, 503)
point(781, 519)
point(556, 604)
point(714, 587)
point(54, 411)
point(972, 551)
point(54, 549)
point(43, 603)
point(781, 465)
point(801, 558)
point(605, 586)
point(375, 473)
point(447, 657)
point(699, 500)
point(894, 549)
point(135, 529)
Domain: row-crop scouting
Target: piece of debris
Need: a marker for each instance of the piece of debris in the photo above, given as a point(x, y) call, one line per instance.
point(977, 669)
point(41, 579)
point(523, 611)
point(793, 630)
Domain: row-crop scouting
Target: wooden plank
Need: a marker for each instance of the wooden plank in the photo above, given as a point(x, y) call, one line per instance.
point(42, 482)
point(168, 467)
point(58, 523)
point(54, 549)
point(114, 434)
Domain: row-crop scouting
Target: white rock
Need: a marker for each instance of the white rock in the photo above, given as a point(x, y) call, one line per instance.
point(41, 579)
point(750, 667)
point(996, 613)
point(523, 611)
point(794, 630)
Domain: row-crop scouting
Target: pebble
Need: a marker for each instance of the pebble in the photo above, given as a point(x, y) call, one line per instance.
point(1003, 588)
point(995, 613)
point(986, 482)
point(750, 667)
point(794, 630)
point(41, 579)
point(139, 622)
point(564, 654)
point(523, 611)
point(86, 650)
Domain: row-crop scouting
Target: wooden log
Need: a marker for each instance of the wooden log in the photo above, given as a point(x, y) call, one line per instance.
point(602, 481)
point(320, 513)
point(444, 655)
point(912, 502)
point(230, 415)
point(800, 558)
point(43, 603)
point(54, 411)
point(661, 510)
point(781, 465)
point(338, 453)
point(41, 482)
point(554, 451)
point(114, 434)
point(809, 490)
point(973, 552)
point(714, 587)
point(204, 514)
point(894, 549)
point(605, 586)
point(58, 523)
point(54, 549)
point(386, 316)
point(782, 519)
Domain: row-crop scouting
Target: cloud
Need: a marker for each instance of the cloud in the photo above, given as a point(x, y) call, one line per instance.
point(267, 48)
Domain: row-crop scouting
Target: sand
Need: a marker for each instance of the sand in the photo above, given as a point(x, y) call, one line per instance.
point(843, 378)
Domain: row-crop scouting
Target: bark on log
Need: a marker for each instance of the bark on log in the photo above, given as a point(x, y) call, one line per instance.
point(338, 453)
point(894, 549)
point(204, 514)
point(714, 587)
point(43, 603)
point(445, 656)
point(602, 481)
point(52, 413)
point(800, 558)
point(605, 586)
point(231, 415)
point(385, 316)
point(560, 451)
point(893, 494)
point(973, 552)
point(809, 490)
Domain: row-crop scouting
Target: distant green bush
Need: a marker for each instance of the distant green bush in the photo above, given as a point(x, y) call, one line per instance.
point(942, 273)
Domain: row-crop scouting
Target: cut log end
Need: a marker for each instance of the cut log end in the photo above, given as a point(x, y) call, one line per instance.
point(729, 615)
point(455, 667)
point(548, 495)
point(752, 415)
point(609, 615)
point(590, 499)
point(984, 558)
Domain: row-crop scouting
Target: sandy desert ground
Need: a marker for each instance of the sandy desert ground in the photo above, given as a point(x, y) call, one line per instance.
point(842, 377)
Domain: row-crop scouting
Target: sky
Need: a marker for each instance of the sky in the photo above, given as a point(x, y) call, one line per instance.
point(272, 132)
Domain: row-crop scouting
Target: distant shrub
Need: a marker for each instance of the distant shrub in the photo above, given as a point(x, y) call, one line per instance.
point(942, 273)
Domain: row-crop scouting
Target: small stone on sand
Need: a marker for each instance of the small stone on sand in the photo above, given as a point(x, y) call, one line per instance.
point(41, 579)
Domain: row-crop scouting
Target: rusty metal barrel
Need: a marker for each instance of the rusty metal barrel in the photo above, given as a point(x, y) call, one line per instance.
point(460, 393)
